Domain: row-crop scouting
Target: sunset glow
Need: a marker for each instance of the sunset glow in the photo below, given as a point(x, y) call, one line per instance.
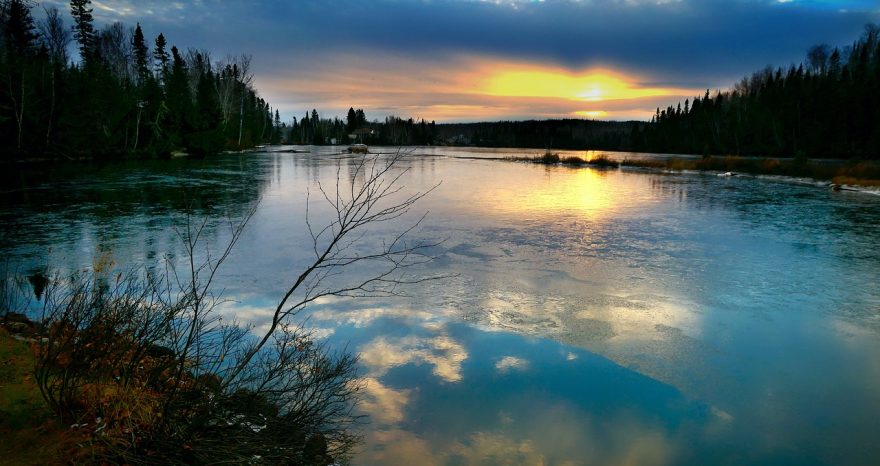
point(473, 88)
point(592, 114)
point(454, 60)
point(589, 86)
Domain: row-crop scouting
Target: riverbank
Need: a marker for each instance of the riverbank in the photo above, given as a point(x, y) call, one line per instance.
point(855, 173)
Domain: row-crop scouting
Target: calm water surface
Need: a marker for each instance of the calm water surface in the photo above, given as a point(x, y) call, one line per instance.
point(593, 316)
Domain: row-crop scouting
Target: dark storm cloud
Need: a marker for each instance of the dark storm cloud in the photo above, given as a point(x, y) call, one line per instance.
point(678, 41)
point(687, 41)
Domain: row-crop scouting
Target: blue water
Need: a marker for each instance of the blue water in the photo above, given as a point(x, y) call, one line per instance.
point(587, 316)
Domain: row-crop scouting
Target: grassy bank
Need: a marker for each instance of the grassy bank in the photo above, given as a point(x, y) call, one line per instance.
point(550, 158)
point(29, 434)
point(856, 173)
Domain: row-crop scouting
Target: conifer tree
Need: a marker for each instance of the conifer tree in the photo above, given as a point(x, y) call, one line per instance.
point(19, 30)
point(140, 51)
point(160, 56)
point(83, 28)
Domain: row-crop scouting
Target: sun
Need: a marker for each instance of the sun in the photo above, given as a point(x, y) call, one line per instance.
point(592, 113)
point(596, 85)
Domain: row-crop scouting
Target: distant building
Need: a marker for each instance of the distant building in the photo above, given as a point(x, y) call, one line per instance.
point(361, 133)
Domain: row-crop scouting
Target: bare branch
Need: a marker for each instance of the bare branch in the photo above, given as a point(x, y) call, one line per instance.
point(374, 195)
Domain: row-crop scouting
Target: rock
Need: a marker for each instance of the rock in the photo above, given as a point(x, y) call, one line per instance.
point(39, 281)
point(17, 317)
point(316, 449)
point(20, 328)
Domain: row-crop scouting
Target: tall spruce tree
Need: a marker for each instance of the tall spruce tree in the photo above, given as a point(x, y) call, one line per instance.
point(83, 28)
point(160, 56)
point(19, 31)
point(141, 54)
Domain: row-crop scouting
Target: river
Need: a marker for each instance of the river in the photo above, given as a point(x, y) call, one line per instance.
point(587, 316)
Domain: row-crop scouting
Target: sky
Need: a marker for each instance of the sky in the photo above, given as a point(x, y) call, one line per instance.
point(473, 60)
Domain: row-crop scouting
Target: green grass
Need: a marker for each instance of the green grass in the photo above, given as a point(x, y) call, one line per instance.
point(28, 431)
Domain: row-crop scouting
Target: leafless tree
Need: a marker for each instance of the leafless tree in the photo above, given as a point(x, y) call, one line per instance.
point(114, 47)
point(817, 58)
point(56, 38)
point(370, 194)
point(198, 63)
point(246, 77)
point(228, 86)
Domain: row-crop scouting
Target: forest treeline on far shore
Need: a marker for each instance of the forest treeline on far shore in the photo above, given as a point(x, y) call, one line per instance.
point(125, 95)
point(827, 106)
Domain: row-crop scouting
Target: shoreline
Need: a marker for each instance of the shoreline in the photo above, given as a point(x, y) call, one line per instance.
point(846, 175)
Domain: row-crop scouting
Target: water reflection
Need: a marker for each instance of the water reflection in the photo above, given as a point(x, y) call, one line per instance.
point(558, 189)
point(120, 210)
point(594, 317)
point(518, 401)
point(439, 351)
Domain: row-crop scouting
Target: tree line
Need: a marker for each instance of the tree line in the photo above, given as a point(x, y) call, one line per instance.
point(827, 106)
point(542, 134)
point(397, 131)
point(124, 95)
point(394, 131)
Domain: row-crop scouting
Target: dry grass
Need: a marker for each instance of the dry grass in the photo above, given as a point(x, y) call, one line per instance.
point(856, 173)
point(855, 181)
point(603, 161)
point(552, 158)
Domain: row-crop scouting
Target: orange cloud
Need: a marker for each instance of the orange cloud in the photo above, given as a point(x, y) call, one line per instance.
point(467, 88)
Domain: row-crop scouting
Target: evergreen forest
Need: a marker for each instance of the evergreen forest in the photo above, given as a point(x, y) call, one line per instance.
point(826, 107)
point(121, 94)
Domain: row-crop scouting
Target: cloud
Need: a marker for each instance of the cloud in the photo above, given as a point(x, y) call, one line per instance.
point(148, 11)
point(384, 405)
point(473, 88)
point(553, 435)
point(442, 352)
point(417, 58)
point(511, 363)
point(364, 317)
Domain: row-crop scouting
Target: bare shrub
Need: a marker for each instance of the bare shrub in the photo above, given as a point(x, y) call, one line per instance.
point(143, 363)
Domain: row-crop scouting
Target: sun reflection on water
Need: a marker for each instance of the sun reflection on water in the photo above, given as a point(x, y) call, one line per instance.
point(580, 191)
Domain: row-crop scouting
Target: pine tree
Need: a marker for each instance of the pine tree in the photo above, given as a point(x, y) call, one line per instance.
point(19, 31)
point(179, 98)
point(139, 47)
point(83, 28)
point(160, 56)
